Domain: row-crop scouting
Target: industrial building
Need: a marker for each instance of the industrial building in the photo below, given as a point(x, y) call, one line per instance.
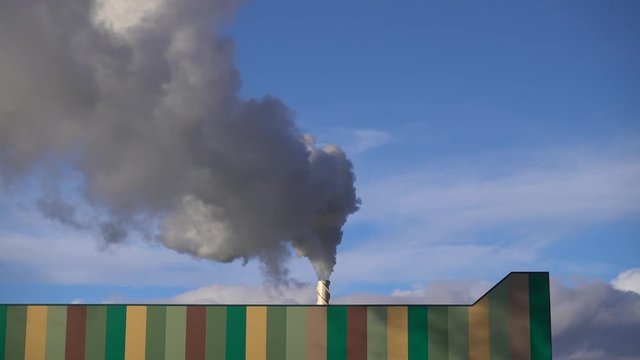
point(511, 321)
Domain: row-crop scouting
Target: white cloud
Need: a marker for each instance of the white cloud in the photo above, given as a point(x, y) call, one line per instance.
point(236, 294)
point(628, 280)
point(367, 139)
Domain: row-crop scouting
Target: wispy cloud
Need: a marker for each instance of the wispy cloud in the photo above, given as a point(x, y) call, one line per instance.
point(440, 221)
point(356, 141)
point(593, 190)
point(407, 261)
point(73, 258)
point(367, 139)
point(438, 292)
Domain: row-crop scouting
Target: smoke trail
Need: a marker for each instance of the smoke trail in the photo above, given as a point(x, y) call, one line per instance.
point(141, 99)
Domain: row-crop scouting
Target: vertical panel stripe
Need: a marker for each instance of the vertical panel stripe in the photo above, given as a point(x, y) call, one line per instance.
point(357, 333)
point(116, 332)
point(418, 333)
point(479, 330)
point(236, 339)
point(397, 337)
point(175, 333)
point(35, 340)
point(539, 314)
point(216, 332)
point(256, 333)
point(56, 332)
point(96, 332)
point(156, 327)
point(16, 331)
point(499, 321)
point(317, 332)
point(276, 332)
point(296, 332)
point(196, 332)
point(3, 329)
point(458, 333)
point(439, 332)
point(377, 333)
point(519, 316)
point(76, 331)
point(336, 332)
point(136, 334)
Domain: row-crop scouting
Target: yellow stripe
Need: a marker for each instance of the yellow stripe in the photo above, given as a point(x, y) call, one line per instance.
point(36, 337)
point(136, 333)
point(397, 337)
point(256, 333)
point(479, 330)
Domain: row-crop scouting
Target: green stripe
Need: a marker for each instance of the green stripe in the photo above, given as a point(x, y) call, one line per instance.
point(276, 332)
point(175, 333)
point(56, 332)
point(336, 332)
point(296, 332)
point(499, 321)
point(3, 329)
point(418, 332)
point(96, 332)
point(438, 332)
point(458, 333)
point(377, 333)
point(216, 332)
point(156, 325)
point(236, 332)
point(16, 331)
point(539, 316)
point(116, 332)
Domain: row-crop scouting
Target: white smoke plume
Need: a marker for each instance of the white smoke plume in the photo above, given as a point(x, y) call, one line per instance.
point(141, 99)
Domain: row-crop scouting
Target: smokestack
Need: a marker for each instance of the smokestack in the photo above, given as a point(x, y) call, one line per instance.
point(323, 292)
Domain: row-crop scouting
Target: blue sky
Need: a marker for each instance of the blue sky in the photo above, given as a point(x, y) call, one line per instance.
point(524, 113)
point(486, 138)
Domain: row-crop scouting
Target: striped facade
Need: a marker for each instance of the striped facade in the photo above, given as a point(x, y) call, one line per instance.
point(511, 321)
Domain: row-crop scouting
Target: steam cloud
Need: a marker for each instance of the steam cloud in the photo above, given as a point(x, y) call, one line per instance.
point(140, 99)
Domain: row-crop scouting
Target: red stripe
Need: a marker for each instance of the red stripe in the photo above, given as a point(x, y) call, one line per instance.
point(76, 329)
point(357, 333)
point(196, 332)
